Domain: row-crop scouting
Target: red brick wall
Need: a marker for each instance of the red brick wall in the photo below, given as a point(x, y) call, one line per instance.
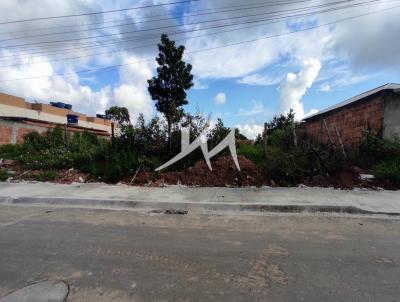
point(21, 132)
point(350, 122)
point(5, 135)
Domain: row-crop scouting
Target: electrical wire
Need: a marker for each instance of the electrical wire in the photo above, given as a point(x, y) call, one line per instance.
point(169, 18)
point(96, 13)
point(20, 46)
point(159, 15)
point(156, 35)
point(208, 49)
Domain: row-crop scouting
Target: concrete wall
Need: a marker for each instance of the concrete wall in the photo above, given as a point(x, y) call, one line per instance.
point(391, 115)
point(15, 111)
point(14, 131)
point(350, 122)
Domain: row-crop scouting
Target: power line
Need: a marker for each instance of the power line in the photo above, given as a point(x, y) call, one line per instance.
point(208, 49)
point(159, 15)
point(97, 13)
point(169, 18)
point(135, 38)
point(263, 22)
point(157, 28)
point(148, 45)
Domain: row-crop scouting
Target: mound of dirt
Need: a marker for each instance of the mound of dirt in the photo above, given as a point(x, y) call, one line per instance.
point(224, 174)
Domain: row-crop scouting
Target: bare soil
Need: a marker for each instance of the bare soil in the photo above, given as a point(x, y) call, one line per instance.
point(224, 174)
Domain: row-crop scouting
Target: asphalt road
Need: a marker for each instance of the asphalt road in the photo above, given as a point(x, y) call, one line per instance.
point(137, 256)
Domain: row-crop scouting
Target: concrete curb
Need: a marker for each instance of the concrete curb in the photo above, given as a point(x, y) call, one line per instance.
point(119, 204)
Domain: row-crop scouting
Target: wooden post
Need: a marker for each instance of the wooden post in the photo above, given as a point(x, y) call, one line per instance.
point(340, 142)
point(329, 133)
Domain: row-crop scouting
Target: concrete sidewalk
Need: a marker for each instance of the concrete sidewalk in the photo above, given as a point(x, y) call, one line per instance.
point(208, 199)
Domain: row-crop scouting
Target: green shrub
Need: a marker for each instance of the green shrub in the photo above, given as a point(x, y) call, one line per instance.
point(3, 175)
point(115, 167)
point(47, 175)
point(253, 152)
point(11, 151)
point(374, 150)
point(287, 168)
point(389, 170)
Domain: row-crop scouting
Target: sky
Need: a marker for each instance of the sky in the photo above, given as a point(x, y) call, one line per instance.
point(251, 59)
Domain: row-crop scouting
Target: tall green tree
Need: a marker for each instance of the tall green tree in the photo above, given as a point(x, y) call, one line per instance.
point(168, 88)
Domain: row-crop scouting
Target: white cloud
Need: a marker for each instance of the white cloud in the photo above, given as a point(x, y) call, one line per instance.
point(199, 85)
point(250, 130)
point(257, 108)
point(295, 86)
point(311, 112)
point(66, 89)
point(134, 99)
point(260, 80)
point(131, 91)
point(325, 87)
point(220, 98)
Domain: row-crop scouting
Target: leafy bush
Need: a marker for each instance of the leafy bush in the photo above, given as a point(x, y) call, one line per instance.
point(389, 170)
point(47, 175)
point(3, 175)
point(375, 150)
point(253, 152)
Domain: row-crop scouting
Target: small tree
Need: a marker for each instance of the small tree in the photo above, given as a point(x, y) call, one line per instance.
point(119, 115)
point(174, 77)
point(239, 136)
point(218, 133)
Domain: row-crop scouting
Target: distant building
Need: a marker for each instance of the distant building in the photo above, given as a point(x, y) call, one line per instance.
point(18, 117)
point(378, 109)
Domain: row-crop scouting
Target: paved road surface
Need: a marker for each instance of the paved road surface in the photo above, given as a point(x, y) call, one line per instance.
point(137, 256)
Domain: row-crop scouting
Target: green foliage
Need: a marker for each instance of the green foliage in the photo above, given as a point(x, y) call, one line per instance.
point(47, 175)
point(217, 134)
point(119, 115)
point(11, 151)
point(389, 170)
point(375, 150)
point(253, 152)
point(239, 136)
point(281, 122)
point(174, 77)
point(114, 167)
point(292, 156)
point(3, 175)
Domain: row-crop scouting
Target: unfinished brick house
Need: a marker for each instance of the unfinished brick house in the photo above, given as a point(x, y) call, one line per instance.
point(18, 117)
point(345, 122)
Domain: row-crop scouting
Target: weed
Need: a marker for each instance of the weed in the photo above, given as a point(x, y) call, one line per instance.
point(3, 175)
point(389, 170)
point(47, 175)
point(253, 152)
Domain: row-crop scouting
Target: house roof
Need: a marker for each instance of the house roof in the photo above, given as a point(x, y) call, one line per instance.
point(364, 95)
